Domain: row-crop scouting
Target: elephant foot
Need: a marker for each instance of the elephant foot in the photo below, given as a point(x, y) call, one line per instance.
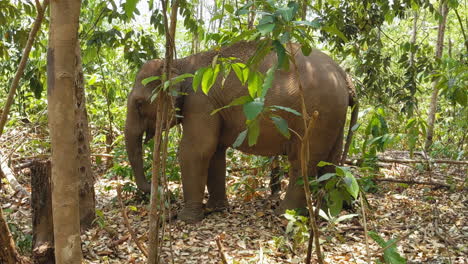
point(191, 213)
point(216, 205)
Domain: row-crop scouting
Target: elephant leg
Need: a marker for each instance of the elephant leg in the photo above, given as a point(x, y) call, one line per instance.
point(197, 148)
point(217, 181)
point(322, 147)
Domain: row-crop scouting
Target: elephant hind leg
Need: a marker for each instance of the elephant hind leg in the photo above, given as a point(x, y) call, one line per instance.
point(325, 145)
point(217, 181)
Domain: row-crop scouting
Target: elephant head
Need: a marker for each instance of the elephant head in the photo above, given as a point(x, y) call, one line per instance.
point(141, 119)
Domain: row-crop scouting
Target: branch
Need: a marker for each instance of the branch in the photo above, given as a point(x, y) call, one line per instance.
point(413, 182)
point(460, 162)
point(221, 251)
point(6, 171)
point(22, 65)
point(127, 223)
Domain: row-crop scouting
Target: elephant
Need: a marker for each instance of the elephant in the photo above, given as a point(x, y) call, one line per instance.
point(327, 89)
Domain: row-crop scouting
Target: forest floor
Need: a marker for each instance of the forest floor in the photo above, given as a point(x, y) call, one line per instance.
point(429, 223)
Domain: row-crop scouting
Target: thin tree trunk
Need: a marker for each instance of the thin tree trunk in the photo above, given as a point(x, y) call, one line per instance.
point(8, 252)
point(22, 65)
point(414, 35)
point(61, 71)
point(87, 195)
point(163, 102)
point(435, 90)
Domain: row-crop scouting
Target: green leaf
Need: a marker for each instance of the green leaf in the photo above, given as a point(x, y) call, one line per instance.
point(238, 101)
point(351, 185)
point(325, 176)
point(229, 8)
point(334, 31)
point(253, 132)
point(461, 96)
point(130, 6)
point(286, 13)
point(324, 163)
point(306, 49)
point(209, 78)
point(268, 81)
point(254, 83)
point(266, 25)
point(239, 68)
point(283, 58)
point(287, 109)
point(240, 138)
point(253, 109)
point(281, 125)
point(335, 202)
point(391, 254)
point(197, 79)
point(150, 79)
point(314, 24)
point(206, 79)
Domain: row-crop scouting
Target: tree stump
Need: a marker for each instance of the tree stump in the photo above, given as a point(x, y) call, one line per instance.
point(41, 202)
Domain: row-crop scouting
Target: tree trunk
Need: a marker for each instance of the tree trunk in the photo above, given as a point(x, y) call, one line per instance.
point(8, 253)
point(41, 203)
point(61, 70)
point(435, 89)
point(87, 195)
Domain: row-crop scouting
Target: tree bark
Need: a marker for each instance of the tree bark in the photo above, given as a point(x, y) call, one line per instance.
point(22, 65)
point(41, 203)
point(435, 89)
point(87, 195)
point(61, 70)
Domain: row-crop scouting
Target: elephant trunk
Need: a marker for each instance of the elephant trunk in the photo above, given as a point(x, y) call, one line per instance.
point(133, 144)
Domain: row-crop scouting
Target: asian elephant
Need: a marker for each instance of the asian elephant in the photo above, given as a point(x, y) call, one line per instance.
point(206, 136)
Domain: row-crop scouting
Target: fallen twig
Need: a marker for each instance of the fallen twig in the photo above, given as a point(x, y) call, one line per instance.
point(460, 162)
point(8, 173)
point(127, 223)
point(413, 182)
point(221, 250)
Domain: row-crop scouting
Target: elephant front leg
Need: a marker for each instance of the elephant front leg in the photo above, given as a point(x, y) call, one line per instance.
point(217, 181)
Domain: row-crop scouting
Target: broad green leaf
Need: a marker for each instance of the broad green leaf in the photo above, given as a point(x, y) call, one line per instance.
point(282, 126)
point(351, 185)
point(324, 163)
point(197, 79)
point(285, 37)
point(268, 81)
point(315, 23)
point(182, 77)
point(283, 58)
point(334, 31)
point(325, 176)
point(266, 28)
point(239, 70)
point(130, 6)
point(253, 132)
point(150, 79)
point(238, 101)
point(461, 96)
point(391, 254)
point(335, 203)
point(206, 79)
point(229, 8)
point(254, 83)
point(240, 138)
point(286, 13)
point(306, 49)
point(253, 109)
point(287, 109)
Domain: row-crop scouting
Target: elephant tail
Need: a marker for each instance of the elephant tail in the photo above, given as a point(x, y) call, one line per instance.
point(354, 104)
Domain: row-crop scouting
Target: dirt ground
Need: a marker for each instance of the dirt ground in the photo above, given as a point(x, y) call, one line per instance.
point(428, 222)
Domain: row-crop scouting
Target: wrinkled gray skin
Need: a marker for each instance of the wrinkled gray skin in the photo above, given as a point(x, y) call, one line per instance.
point(206, 137)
